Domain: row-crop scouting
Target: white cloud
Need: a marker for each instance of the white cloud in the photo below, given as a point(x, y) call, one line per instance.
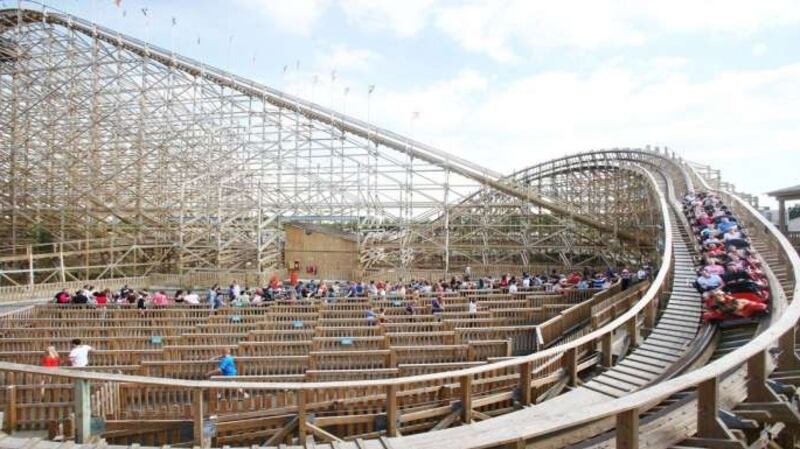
point(742, 121)
point(504, 30)
point(404, 18)
point(739, 17)
point(293, 16)
point(342, 58)
point(443, 107)
point(759, 49)
point(730, 111)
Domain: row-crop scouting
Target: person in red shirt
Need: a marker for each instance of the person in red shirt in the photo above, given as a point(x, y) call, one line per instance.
point(63, 297)
point(704, 221)
point(51, 358)
point(101, 298)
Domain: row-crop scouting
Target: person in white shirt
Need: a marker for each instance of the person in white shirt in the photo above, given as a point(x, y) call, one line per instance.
point(79, 355)
point(191, 298)
point(512, 287)
point(473, 307)
point(243, 299)
point(235, 290)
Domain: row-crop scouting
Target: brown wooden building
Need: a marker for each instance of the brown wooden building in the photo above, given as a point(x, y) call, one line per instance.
point(320, 251)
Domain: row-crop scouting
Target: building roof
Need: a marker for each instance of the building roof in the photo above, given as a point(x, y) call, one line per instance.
point(322, 229)
point(787, 192)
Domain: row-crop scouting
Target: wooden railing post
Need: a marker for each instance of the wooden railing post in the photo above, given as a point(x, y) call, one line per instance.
point(707, 407)
point(11, 409)
point(708, 425)
point(606, 349)
point(650, 316)
point(628, 429)
point(525, 383)
point(197, 406)
point(788, 360)
point(301, 414)
point(633, 331)
point(466, 399)
point(571, 366)
point(83, 410)
point(391, 410)
point(213, 405)
point(757, 390)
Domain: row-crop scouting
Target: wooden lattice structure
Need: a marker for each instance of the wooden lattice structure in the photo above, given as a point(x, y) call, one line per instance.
point(121, 159)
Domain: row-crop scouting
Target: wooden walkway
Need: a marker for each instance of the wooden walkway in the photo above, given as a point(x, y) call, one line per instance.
point(670, 339)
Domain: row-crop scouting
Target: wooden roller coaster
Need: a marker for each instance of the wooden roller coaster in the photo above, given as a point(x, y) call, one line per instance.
point(87, 114)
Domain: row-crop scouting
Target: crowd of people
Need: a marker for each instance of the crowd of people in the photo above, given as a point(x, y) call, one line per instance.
point(328, 291)
point(237, 296)
point(88, 295)
point(730, 277)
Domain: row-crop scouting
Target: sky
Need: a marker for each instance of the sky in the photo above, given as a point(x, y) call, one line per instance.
point(508, 84)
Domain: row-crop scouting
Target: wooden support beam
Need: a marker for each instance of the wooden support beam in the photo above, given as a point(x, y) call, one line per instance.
point(628, 429)
point(525, 384)
point(198, 409)
point(476, 415)
point(571, 366)
point(391, 410)
point(708, 423)
point(83, 410)
point(10, 423)
point(769, 412)
point(447, 421)
point(788, 360)
point(606, 348)
point(707, 408)
point(757, 374)
point(466, 399)
point(283, 433)
point(650, 315)
point(301, 414)
point(322, 434)
point(632, 327)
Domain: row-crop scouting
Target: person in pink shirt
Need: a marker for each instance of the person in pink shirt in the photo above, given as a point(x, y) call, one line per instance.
point(715, 268)
point(160, 299)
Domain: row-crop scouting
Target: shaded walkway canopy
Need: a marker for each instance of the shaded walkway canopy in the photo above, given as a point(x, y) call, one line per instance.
point(784, 195)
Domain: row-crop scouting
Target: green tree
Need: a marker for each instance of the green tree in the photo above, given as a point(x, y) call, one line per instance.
point(794, 212)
